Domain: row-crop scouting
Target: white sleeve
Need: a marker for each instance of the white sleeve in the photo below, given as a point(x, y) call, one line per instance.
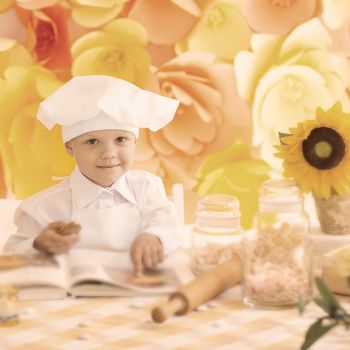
point(27, 230)
point(159, 216)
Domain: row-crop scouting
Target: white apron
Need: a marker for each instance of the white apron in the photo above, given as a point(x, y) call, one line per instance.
point(112, 228)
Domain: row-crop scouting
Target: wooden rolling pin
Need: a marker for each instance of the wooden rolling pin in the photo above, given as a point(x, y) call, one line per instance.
point(200, 290)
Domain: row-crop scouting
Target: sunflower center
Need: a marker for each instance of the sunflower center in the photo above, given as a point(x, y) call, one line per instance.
point(324, 148)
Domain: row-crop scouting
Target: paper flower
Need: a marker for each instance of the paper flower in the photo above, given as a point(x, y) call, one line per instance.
point(285, 79)
point(48, 37)
point(335, 13)
point(233, 171)
point(118, 49)
point(12, 53)
point(92, 13)
point(209, 117)
point(39, 4)
point(279, 16)
point(30, 153)
point(316, 153)
point(166, 21)
point(3, 187)
point(220, 20)
point(5, 5)
point(341, 38)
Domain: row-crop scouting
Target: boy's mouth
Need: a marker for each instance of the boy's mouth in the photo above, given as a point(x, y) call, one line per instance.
point(107, 166)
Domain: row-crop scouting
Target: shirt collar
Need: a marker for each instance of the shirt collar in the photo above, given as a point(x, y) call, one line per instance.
point(85, 191)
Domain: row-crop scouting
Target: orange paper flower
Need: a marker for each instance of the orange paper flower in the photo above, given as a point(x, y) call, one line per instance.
point(166, 21)
point(48, 37)
point(279, 16)
point(210, 117)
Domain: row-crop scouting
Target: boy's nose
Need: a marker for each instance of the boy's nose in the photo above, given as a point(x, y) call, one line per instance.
point(109, 152)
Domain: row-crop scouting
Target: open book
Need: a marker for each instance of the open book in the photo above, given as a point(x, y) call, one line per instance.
point(85, 272)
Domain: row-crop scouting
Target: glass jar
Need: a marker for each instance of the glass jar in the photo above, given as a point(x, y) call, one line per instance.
point(216, 232)
point(277, 252)
point(8, 312)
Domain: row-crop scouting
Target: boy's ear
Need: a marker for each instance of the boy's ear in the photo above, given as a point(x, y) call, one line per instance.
point(68, 147)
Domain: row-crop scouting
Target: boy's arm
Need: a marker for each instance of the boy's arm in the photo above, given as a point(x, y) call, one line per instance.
point(27, 230)
point(159, 217)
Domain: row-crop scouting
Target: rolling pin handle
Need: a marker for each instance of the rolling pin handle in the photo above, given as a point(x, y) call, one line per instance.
point(163, 312)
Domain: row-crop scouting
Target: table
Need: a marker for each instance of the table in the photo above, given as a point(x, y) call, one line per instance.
point(115, 323)
point(125, 323)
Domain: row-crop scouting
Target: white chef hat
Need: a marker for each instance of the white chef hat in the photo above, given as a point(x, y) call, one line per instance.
point(98, 102)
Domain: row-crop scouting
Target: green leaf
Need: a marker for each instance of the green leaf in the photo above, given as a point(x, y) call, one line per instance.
point(330, 303)
point(316, 331)
point(281, 135)
point(301, 304)
point(322, 304)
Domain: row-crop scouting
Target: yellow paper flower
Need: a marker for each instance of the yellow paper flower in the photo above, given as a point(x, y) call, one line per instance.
point(95, 13)
point(30, 153)
point(286, 78)
point(12, 53)
point(316, 153)
point(118, 49)
point(3, 187)
point(221, 29)
point(233, 171)
point(5, 5)
point(209, 117)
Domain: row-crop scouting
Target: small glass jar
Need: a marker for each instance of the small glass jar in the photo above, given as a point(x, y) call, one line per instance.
point(216, 233)
point(277, 252)
point(8, 313)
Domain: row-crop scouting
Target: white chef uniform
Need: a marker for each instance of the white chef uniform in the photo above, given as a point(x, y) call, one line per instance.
point(110, 217)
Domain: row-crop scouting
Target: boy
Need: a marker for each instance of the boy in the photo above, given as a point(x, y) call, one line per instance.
point(103, 204)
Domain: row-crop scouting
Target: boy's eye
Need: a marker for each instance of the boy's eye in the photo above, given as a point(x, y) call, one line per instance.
point(121, 139)
point(92, 141)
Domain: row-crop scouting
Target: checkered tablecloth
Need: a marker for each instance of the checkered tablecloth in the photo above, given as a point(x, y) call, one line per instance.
point(125, 323)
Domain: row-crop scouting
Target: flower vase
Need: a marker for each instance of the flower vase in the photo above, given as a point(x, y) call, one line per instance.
point(334, 214)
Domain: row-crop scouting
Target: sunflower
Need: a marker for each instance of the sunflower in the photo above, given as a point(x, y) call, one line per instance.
point(316, 153)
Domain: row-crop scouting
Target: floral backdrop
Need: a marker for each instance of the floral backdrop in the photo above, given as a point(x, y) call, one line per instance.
point(243, 72)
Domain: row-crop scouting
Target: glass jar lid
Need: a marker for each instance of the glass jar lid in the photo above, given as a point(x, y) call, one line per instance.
point(280, 195)
point(218, 210)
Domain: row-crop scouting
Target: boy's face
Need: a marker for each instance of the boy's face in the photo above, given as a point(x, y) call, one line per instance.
point(103, 156)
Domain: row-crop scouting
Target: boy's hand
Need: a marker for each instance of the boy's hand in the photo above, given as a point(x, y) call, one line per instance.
point(146, 252)
point(58, 237)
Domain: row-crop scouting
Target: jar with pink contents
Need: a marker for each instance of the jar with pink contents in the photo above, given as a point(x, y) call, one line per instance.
point(216, 233)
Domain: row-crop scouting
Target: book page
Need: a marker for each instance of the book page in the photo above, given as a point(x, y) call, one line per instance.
point(114, 269)
point(29, 270)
